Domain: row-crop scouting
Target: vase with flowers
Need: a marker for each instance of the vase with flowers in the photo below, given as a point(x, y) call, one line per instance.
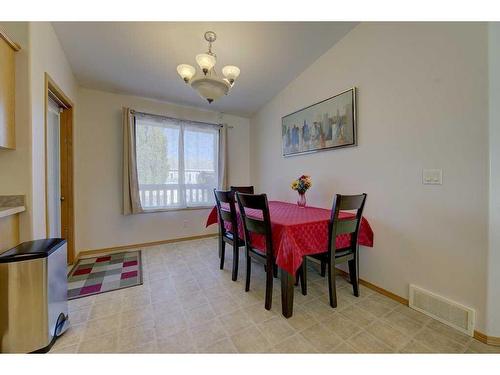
point(301, 185)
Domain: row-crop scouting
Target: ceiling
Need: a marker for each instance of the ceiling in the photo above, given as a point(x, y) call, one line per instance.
point(140, 58)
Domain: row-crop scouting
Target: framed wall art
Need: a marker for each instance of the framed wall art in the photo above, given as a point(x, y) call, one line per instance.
point(326, 125)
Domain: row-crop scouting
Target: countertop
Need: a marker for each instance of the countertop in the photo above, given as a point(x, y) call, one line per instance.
point(7, 211)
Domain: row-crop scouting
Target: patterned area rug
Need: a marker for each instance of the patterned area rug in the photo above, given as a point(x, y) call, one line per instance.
point(105, 273)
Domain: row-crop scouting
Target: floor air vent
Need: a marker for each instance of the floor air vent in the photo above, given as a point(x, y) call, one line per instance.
point(442, 309)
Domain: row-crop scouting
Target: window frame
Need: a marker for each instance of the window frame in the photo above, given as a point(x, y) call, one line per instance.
point(183, 125)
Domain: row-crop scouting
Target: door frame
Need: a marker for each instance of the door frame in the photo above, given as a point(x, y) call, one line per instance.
point(66, 120)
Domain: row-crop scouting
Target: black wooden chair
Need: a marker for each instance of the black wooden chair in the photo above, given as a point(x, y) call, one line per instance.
point(348, 254)
point(242, 189)
point(225, 236)
point(258, 226)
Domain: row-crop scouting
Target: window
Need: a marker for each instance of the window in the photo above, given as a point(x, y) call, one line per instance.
point(177, 162)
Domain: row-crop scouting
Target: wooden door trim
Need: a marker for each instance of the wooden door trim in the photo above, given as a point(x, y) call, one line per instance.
point(66, 121)
point(9, 41)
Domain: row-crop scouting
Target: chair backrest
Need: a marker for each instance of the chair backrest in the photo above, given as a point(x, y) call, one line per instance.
point(242, 189)
point(252, 224)
point(227, 197)
point(348, 225)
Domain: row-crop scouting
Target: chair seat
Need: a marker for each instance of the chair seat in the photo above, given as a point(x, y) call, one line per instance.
point(338, 253)
point(258, 246)
point(229, 237)
point(259, 251)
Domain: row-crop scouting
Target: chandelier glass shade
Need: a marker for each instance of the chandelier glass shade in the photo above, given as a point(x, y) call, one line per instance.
point(186, 72)
point(206, 62)
point(206, 82)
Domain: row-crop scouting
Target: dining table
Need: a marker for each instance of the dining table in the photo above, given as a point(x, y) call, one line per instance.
point(296, 232)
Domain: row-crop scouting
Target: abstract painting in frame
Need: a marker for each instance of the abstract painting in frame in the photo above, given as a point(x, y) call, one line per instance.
point(326, 125)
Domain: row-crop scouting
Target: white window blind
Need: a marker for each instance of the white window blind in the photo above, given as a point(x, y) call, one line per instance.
point(177, 162)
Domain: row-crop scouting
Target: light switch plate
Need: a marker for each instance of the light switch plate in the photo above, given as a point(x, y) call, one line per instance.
point(432, 177)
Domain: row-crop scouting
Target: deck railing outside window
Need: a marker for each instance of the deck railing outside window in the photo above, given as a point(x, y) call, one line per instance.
point(169, 195)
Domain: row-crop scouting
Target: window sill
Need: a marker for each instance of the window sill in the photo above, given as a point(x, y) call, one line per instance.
point(157, 210)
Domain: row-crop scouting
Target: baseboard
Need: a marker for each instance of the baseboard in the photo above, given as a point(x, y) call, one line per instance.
point(378, 289)
point(385, 292)
point(485, 339)
point(492, 340)
point(109, 250)
point(481, 337)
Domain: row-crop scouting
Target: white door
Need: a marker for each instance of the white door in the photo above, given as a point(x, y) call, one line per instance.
point(53, 170)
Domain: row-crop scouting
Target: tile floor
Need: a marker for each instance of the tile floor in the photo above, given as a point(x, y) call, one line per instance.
point(188, 305)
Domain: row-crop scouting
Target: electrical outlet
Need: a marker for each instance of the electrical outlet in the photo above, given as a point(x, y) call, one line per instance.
point(432, 177)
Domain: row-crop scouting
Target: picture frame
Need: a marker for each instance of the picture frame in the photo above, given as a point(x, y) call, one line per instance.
point(325, 125)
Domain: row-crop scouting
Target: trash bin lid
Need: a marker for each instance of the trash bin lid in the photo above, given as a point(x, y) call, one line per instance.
point(32, 250)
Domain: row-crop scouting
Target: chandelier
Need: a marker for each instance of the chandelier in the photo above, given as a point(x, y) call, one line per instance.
point(207, 82)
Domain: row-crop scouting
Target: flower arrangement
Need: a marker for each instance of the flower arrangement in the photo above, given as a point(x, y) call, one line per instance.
point(302, 184)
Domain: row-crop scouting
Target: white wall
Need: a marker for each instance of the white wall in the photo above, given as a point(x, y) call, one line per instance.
point(493, 316)
point(98, 173)
point(46, 56)
point(422, 103)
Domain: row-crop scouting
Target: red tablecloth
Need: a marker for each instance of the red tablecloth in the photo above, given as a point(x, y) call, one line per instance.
point(298, 232)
